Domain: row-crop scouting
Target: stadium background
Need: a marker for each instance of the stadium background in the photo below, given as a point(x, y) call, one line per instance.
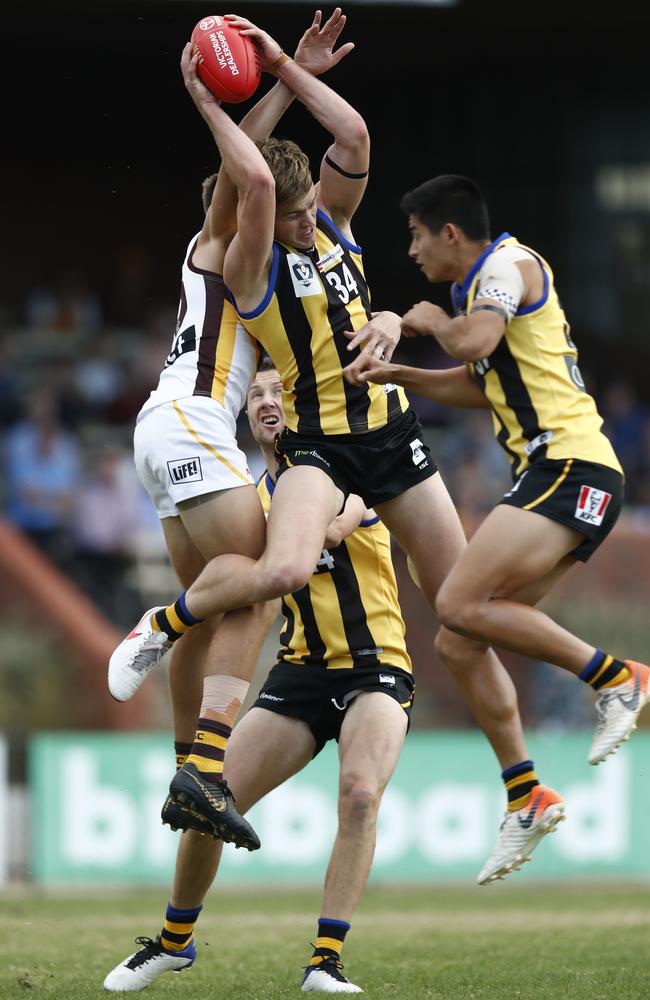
point(548, 109)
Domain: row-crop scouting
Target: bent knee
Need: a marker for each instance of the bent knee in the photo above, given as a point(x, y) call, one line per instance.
point(457, 651)
point(358, 801)
point(452, 609)
point(283, 578)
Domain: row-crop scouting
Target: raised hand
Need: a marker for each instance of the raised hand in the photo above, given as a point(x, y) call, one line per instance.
point(270, 51)
point(199, 93)
point(315, 50)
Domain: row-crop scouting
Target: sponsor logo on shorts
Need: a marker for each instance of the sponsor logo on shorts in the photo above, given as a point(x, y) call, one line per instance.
point(418, 455)
point(387, 679)
point(269, 697)
point(314, 454)
point(517, 484)
point(592, 504)
point(185, 470)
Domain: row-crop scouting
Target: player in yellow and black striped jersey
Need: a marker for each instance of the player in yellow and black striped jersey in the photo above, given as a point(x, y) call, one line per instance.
point(519, 360)
point(295, 274)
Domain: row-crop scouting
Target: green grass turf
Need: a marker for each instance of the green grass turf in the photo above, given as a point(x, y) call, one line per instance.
point(573, 942)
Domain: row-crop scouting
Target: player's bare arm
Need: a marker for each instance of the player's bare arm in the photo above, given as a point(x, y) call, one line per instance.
point(315, 53)
point(247, 256)
point(466, 338)
point(347, 521)
point(339, 193)
point(447, 386)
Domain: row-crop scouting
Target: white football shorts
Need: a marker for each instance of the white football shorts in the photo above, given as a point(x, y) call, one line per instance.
point(186, 448)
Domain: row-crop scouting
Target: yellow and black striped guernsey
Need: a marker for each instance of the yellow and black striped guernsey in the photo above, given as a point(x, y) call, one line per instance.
point(348, 614)
point(311, 299)
point(532, 381)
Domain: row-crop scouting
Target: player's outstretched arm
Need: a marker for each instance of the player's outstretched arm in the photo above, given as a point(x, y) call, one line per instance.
point(316, 53)
point(447, 386)
point(339, 192)
point(240, 157)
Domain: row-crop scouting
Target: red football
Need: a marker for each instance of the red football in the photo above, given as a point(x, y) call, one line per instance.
point(229, 63)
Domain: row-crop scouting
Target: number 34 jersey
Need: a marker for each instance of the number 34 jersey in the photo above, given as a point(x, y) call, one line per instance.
point(312, 298)
point(348, 614)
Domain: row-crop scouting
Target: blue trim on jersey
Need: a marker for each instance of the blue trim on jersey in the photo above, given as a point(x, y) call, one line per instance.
point(273, 277)
point(459, 295)
point(369, 522)
point(270, 485)
point(320, 214)
point(537, 305)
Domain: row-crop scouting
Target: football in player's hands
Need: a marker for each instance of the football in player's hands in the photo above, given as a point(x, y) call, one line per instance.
point(229, 63)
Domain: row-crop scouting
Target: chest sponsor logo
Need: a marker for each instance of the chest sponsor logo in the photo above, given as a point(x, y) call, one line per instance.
point(330, 258)
point(303, 275)
point(185, 470)
point(592, 504)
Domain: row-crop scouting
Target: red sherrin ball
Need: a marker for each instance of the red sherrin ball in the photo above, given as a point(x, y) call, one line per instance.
point(229, 63)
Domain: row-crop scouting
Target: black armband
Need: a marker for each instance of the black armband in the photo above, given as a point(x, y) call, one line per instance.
point(499, 310)
point(340, 170)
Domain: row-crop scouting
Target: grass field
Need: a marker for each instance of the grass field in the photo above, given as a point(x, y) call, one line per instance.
point(543, 943)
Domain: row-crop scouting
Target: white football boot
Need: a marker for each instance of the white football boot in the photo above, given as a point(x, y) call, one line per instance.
point(521, 832)
point(618, 709)
point(327, 978)
point(144, 966)
point(135, 656)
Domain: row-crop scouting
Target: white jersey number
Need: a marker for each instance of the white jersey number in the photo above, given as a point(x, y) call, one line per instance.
point(325, 564)
point(345, 291)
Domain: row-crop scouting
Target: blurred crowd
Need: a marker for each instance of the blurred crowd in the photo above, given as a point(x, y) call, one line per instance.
point(73, 375)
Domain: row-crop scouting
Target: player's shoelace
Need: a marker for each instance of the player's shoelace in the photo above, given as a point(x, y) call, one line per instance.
point(332, 966)
point(142, 659)
point(148, 951)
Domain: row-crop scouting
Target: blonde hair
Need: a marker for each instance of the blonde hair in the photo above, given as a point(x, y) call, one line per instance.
point(290, 169)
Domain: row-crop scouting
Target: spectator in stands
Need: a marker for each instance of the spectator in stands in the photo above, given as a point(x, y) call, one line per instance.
point(41, 465)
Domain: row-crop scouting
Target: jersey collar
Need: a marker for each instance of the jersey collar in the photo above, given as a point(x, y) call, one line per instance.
point(459, 293)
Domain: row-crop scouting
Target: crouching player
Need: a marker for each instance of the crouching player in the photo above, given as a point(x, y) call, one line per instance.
point(343, 673)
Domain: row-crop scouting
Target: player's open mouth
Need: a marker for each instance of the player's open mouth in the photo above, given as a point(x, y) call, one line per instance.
point(270, 421)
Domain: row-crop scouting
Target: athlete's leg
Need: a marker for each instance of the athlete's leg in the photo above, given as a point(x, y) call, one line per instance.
point(487, 703)
point(304, 502)
point(371, 738)
point(264, 751)
point(426, 525)
point(511, 550)
point(210, 673)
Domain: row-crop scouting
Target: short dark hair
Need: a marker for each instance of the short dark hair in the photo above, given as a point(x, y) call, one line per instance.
point(449, 198)
point(207, 190)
